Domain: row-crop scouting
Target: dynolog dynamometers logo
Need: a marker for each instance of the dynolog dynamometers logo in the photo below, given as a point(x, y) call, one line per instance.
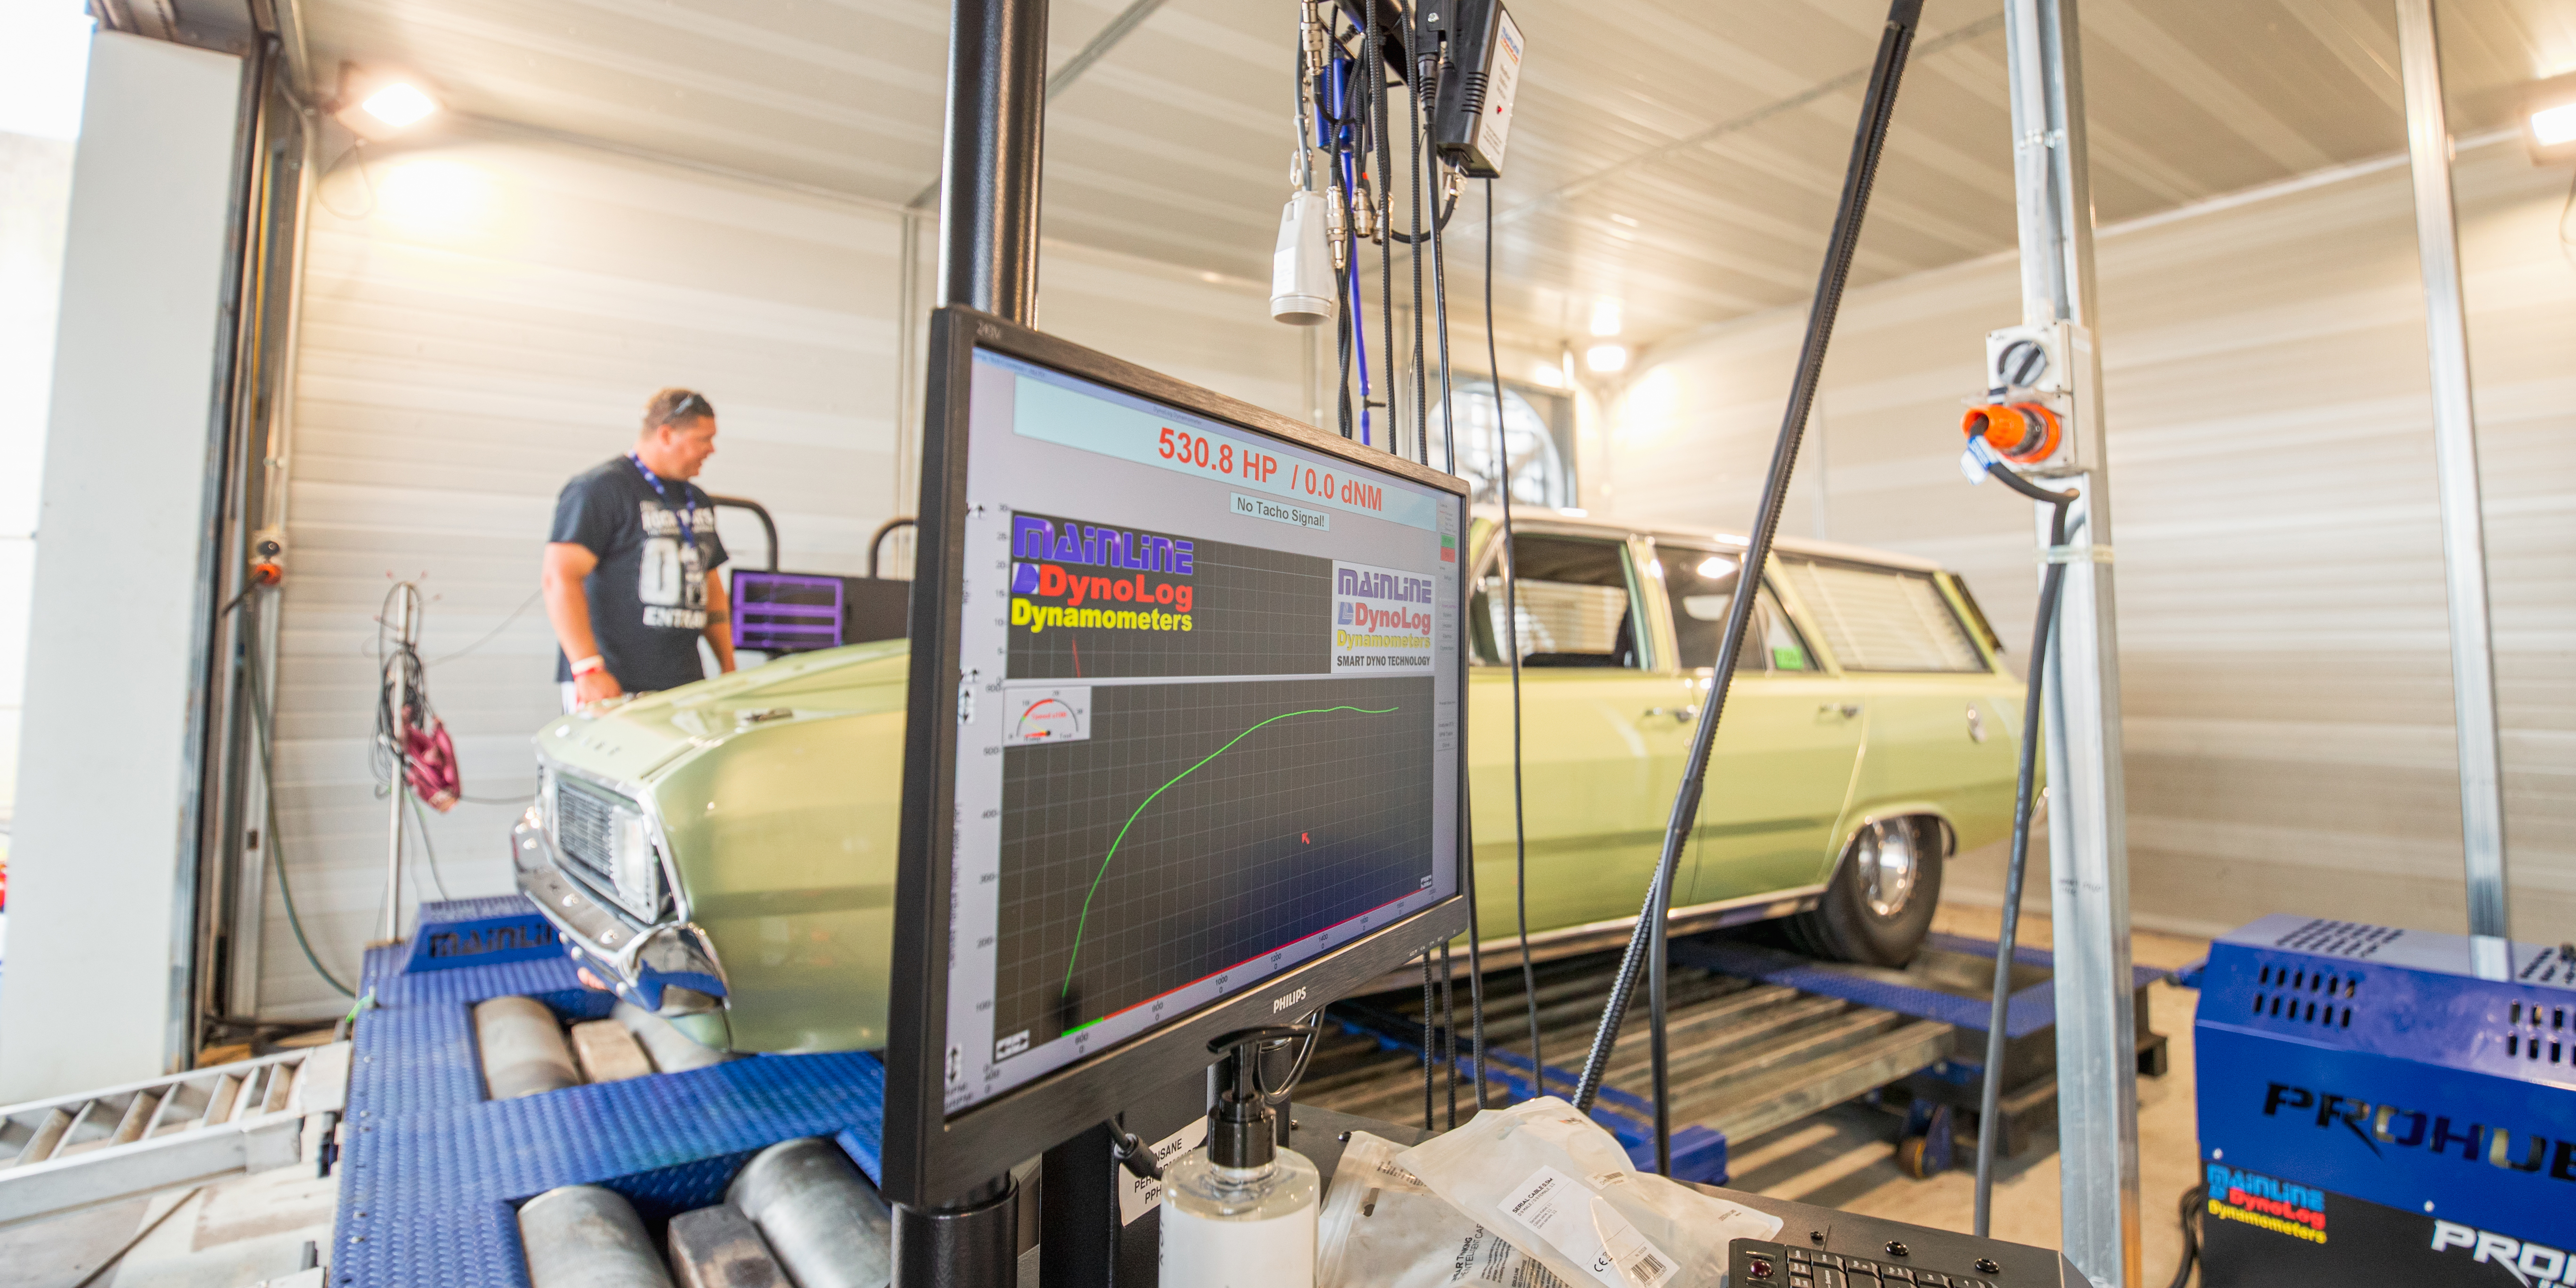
point(1381, 621)
point(1054, 561)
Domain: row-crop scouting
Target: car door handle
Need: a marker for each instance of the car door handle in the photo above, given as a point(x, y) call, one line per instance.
point(1846, 710)
point(1682, 714)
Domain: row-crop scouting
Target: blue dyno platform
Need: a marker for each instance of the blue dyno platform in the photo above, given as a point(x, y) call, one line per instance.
point(433, 1173)
point(2026, 1012)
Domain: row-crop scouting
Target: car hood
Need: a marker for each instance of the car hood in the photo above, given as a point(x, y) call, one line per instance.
point(633, 740)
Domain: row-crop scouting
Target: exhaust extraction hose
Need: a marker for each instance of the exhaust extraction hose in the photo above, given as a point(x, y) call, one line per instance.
point(1646, 942)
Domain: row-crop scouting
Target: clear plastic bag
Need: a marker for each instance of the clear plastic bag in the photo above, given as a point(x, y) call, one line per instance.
point(1383, 1228)
point(1561, 1190)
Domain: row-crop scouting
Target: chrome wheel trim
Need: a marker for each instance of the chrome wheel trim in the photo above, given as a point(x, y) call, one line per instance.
point(1888, 867)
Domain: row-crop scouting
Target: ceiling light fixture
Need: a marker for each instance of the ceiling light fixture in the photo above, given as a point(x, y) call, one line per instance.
point(1606, 358)
point(2549, 120)
point(399, 104)
point(378, 104)
point(1605, 318)
point(1548, 375)
point(1716, 566)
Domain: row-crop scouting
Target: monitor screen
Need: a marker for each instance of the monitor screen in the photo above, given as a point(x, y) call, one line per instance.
point(1209, 721)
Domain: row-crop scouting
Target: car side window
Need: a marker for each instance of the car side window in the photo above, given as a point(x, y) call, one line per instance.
point(1882, 619)
point(1702, 585)
point(1574, 601)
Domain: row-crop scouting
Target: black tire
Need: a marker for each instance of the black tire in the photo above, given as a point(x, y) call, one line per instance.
point(1876, 912)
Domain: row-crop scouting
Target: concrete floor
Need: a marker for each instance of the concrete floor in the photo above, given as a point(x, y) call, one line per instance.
point(245, 1231)
point(1844, 1157)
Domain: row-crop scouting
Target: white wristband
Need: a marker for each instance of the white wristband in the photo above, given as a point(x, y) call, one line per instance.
point(587, 665)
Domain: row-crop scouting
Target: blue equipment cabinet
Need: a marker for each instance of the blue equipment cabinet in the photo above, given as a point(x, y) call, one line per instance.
point(2373, 1111)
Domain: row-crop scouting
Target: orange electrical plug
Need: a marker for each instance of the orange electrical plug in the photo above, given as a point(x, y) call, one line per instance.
point(2023, 433)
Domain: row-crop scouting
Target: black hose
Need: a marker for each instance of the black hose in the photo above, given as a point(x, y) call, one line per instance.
point(1512, 651)
point(2192, 1201)
point(1646, 942)
point(1449, 1029)
point(261, 719)
point(1430, 1042)
point(1413, 123)
point(1467, 838)
point(1990, 1102)
point(1374, 60)
point(1439, 224)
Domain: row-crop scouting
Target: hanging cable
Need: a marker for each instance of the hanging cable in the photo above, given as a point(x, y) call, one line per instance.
point(1646, 942)
point(1512, 651)
point(262, 718)
point(1373, 70)
point(1430, 1042)
point(1413, 244)
point(1449, 463)
point(1990, 1101)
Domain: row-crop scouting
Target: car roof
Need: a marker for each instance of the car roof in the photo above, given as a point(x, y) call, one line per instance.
point(1548, 518)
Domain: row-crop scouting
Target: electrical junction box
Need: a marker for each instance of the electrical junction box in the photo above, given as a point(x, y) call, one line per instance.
point(2375, 1109)
point(2045, 364)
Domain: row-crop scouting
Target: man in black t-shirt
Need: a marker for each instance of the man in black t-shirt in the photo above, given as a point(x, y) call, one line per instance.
point(630, 580)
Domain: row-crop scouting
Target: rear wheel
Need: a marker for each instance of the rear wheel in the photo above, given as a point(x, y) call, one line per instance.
point(1879, 905)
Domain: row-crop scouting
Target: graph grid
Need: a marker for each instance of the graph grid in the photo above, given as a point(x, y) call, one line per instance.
point(1200, 827)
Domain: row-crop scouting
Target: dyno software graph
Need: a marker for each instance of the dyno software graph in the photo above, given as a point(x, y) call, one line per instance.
point(1196, 828)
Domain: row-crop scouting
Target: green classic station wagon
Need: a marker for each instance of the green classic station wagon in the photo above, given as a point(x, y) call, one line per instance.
point(724, 853)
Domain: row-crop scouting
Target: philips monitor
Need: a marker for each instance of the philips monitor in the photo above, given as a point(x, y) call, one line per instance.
point(1186, 745)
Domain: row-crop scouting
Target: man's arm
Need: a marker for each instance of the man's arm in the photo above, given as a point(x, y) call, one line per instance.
point(719, 631)
point(568, 607)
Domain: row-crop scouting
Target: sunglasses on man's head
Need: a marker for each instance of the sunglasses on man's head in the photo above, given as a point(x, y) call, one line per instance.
point(689, 408)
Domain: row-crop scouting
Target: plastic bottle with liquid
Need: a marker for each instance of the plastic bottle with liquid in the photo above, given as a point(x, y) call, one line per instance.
point(1239, 1211)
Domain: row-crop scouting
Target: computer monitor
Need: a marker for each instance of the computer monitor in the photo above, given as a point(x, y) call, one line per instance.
point(1186, 747)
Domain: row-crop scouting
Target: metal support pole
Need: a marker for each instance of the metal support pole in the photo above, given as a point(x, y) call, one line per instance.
point(988, 187)
point(2455, 456)
point(2088, 822)
point(988, 260)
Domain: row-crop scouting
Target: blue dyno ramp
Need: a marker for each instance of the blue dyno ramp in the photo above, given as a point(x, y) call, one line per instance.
point(433, 1173)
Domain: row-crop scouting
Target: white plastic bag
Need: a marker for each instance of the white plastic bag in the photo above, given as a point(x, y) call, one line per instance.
point(1382, 1228)
point(1561, 1190)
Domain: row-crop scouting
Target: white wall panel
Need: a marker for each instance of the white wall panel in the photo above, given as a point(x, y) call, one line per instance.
point(2285, 666)
point(483, 320)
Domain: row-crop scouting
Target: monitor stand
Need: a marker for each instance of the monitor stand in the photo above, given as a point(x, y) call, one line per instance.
point(1092, 1234)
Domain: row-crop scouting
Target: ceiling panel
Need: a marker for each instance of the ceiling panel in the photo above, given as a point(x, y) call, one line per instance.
point(1680, 158)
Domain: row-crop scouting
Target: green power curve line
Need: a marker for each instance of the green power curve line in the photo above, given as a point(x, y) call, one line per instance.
point(1085, 918)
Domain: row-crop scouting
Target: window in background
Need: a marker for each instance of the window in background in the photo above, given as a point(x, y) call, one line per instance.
point(1534, 433)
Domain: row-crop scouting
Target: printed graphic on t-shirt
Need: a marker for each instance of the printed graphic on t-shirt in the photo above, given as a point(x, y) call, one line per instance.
point(671, 575)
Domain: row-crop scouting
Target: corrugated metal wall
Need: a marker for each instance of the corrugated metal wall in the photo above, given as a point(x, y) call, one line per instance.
point(482, 321)
point(2284, 649)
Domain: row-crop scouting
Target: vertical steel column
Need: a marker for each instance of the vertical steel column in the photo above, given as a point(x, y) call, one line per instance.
point(988, 260)
point(2097, 1075)
point(2455, 456)
point(988, 186)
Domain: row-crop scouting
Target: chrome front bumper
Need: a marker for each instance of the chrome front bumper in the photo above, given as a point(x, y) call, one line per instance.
point(667, 967)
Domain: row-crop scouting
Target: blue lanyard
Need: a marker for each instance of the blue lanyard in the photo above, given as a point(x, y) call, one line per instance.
point(687, 514)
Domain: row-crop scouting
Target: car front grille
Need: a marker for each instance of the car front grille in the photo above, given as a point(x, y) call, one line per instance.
point(585, 833)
